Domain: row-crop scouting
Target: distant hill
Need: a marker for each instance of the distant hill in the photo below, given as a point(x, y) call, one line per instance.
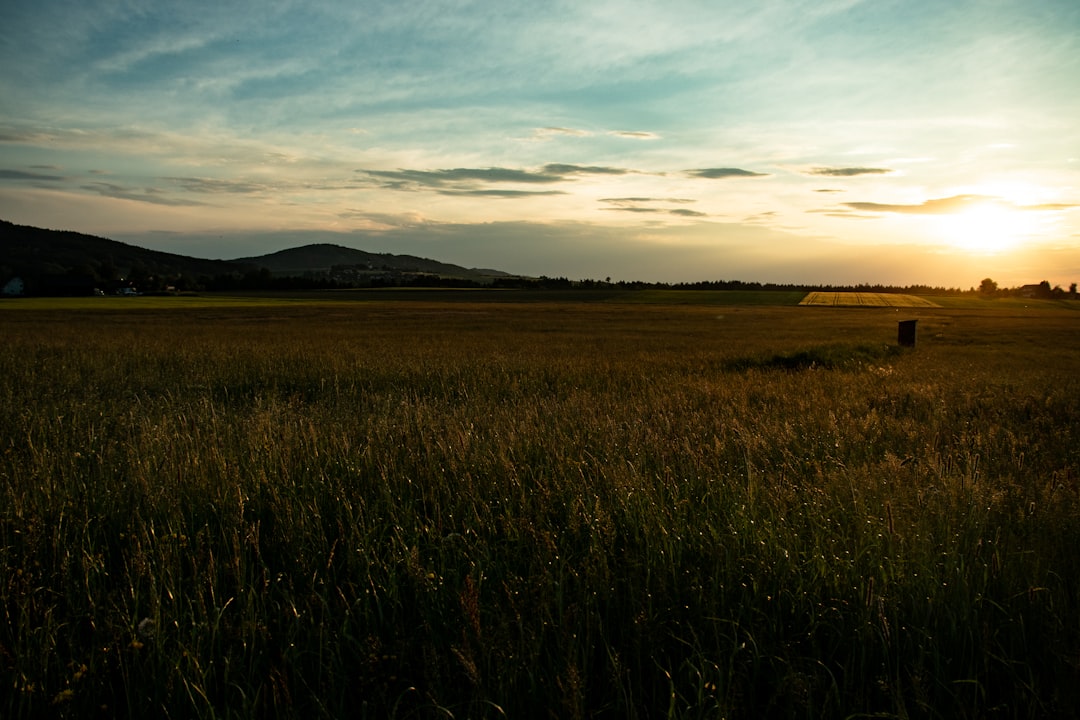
point(34, 251)
point(65, 263)
point(327, 258)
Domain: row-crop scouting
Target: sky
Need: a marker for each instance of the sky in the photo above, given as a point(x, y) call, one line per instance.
point(930, 142)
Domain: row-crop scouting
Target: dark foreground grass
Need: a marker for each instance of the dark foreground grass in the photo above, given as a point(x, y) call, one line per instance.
point(470, 511)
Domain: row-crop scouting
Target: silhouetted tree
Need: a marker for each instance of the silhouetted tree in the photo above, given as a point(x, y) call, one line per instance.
point(988, 287)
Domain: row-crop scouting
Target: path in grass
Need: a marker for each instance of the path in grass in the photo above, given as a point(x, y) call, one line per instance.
point(863, 299)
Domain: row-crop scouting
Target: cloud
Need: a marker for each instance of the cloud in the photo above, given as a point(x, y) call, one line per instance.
point(838, 212)
point(478, 181)
point(212, 186)
point(956, 203)
point(939, 206)
point(631, 201)
point(20, 135)
point(720, 173)
point(828, 190)
point(147, 195)
point(848, 171)
point(21, 175)
point(634, 134)
point(560, 169)
point(1047, 207)
point(500, 193)
point(546, 133)
point(410, 179)
point(634, 209)
point(643, 205)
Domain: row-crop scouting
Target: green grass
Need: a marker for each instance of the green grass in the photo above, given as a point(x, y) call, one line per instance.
point(425, 509)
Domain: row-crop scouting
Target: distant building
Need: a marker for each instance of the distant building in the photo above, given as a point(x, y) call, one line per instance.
point(13, 287)
point(1042, 290)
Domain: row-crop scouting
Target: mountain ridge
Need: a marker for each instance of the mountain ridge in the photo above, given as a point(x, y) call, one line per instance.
point(323, 257)
point(67, 261)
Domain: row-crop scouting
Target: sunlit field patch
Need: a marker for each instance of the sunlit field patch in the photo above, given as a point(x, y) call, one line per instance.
point(865, 299)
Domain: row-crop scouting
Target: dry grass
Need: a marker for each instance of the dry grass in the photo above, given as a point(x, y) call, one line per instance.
point(433, 509)
point(865, 299)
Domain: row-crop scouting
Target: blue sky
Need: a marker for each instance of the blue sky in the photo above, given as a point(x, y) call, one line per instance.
point(780, 140)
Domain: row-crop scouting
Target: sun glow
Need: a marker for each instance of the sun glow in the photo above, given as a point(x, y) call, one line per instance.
point(987, 227)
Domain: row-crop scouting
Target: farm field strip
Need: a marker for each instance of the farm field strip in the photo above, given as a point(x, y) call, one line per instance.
point(865, 299)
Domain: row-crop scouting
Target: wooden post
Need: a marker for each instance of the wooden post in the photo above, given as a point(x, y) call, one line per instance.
point(906, 334)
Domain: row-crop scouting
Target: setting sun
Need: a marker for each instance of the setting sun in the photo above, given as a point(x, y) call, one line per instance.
point(986, 227)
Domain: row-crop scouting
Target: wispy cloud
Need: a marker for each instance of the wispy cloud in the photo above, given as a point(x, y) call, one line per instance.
point(478, 181)
point(1047, 207)
point(721, 173)
point(647, 205)
point(564, 170)
point(939, 206)
point(848, 171)
point(497, 193)
point(635, 209)
point(639, 200)
point(22, 175)
point(405, 179)
point(146, 195)
point(956, 203)
point(634, 134)
point(212, 186)
point(546, 133)
point(20, 135)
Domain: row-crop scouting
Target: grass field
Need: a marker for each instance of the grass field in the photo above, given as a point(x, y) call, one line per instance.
point(456, 295)
point(719, 298)
point(480, 510)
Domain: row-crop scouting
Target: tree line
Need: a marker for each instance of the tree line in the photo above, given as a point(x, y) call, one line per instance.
point(1042, 291)
point(105, 277)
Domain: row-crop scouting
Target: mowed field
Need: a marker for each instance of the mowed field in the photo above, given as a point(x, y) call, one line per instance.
point(865, 299)
point(485, 510)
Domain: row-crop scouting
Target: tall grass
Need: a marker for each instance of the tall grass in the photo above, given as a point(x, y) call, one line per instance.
point(427, 510)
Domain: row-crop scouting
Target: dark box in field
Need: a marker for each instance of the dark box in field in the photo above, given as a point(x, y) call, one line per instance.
point(906, 334)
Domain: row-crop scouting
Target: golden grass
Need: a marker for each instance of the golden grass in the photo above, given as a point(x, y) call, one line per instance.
point(865, 299)
point(426, 509)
